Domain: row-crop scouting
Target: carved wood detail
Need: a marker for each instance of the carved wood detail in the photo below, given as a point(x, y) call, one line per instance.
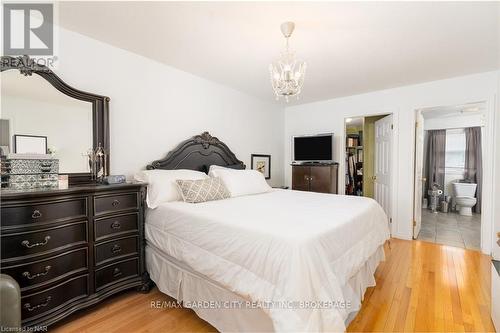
point(198, 153)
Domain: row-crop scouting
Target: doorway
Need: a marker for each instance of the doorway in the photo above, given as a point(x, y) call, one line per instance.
point(368, 156)
point(449, 150)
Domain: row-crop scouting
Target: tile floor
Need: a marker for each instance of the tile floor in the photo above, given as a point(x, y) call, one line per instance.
point(451, 229)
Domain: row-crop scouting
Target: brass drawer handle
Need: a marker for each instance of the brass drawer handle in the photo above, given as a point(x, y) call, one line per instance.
point(31, 277)
point(117, 272)
point(116, 248)
point(36, 214)
point(116, 225)
point(115, 203)
point(29, 246)
point(30, 308)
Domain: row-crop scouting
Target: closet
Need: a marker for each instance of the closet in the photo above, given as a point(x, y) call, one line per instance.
point(354, 162)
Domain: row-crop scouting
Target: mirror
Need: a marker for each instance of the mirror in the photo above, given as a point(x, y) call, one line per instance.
point(68, 121)
point(34, 111)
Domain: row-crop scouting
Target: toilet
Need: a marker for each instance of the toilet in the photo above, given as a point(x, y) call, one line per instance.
point(465, 197)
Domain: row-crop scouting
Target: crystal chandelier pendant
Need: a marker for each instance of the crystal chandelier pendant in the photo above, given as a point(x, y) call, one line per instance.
point(287, 73)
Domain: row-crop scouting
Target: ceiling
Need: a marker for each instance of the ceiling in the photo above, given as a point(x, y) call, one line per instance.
point(349, 47)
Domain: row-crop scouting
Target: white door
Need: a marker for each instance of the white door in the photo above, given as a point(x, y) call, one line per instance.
point(383, 155)
point(419, 179)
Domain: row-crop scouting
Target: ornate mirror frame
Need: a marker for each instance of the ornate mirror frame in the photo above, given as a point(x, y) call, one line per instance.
point(100, 107)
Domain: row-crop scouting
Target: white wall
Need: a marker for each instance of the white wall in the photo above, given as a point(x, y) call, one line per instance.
point(328, 116)
point(154, 107)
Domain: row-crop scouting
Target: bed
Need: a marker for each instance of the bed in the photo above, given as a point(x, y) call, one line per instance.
point(277, 261)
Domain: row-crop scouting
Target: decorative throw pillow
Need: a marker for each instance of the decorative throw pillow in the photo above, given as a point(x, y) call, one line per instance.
point(161, 184)
point(202, 190)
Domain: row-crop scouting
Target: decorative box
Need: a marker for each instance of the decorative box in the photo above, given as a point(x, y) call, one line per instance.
point(25, 174)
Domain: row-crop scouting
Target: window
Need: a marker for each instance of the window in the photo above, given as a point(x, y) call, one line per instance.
point(455, 151)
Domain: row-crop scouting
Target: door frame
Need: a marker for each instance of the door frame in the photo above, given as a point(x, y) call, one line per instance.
point(415, 181)
point(393, 220)
point(488, 193)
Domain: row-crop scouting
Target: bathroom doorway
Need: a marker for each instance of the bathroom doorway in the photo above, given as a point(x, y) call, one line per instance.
point(449, 150)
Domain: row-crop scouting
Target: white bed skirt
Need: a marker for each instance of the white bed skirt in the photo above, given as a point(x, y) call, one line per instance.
point(222, 307)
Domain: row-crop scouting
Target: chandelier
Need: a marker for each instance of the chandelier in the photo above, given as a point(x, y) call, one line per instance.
point(287, 73)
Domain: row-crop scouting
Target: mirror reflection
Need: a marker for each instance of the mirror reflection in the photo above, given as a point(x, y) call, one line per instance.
point(32, 109)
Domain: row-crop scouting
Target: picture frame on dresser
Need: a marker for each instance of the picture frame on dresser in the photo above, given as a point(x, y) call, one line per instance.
point(30, 144)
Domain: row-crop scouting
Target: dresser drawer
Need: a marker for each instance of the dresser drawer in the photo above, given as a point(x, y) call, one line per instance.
point(38, 304)
point(37, 212)
point(18, 245)
point(118, 271)
point(115, 203)
point(106, 227)
point(116, 248)
point(37, 272)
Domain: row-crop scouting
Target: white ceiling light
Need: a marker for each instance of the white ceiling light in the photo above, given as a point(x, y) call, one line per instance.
point(287, 73)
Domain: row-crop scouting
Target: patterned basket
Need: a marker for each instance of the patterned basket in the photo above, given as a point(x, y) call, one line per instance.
point(24, 174)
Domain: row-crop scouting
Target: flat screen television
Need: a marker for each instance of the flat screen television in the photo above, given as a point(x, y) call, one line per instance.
point(313, 148)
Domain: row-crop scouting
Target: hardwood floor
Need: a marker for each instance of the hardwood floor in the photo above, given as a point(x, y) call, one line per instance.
point(421, 287)
point(427, 287)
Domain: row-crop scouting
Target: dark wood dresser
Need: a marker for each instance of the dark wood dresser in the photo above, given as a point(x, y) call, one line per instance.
point(69, 249)
point(313, 177)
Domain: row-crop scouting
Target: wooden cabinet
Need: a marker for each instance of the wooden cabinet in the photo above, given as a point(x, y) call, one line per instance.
point(300, 178)
point(69, 249)
point(321, 178)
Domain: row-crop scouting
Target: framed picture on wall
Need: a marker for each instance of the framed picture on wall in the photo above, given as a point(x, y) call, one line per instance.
point(30, 144)
point(262, 163)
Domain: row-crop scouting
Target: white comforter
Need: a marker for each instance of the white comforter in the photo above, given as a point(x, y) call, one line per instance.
point(282, 246)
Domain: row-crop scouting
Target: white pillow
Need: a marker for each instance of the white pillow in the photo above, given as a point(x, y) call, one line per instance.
point(162, 186)
point(212, 171)
point(241, 182)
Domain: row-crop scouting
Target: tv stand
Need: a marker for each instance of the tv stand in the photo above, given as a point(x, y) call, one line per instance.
point(315, 177)
point(314, 163)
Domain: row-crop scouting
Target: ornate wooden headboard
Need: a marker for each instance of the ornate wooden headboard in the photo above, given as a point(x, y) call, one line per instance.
point(198, 153)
